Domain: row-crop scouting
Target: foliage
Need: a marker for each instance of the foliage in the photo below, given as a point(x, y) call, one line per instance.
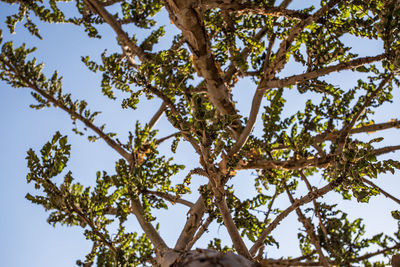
point(219, 44)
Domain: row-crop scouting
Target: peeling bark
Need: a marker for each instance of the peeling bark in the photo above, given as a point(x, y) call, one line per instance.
point(210, 258)
point(188, 19)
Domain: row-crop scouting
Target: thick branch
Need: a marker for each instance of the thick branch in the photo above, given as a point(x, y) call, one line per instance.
point(192, 224)
point(255, 106)
point(110, 2)
point(385, 150)
point(288, 262)
point(279, 263)
point(157, 116)
point(147, 227)
point(376, 127)
point(317, 162)
point(288, 164)
point(190, 21)
point(231, 227)
point(200, 232)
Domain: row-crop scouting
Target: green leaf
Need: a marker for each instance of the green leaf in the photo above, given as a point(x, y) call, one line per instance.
point(396, 214)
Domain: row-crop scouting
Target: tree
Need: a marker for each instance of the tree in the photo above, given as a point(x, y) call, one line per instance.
point(217, 45)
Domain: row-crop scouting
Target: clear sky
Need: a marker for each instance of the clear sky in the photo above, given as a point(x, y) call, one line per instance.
point(27, 239)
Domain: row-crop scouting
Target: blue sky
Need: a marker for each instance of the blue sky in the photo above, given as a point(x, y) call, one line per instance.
point(27, 239)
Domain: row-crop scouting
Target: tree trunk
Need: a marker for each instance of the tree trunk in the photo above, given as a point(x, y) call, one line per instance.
point(208, 258)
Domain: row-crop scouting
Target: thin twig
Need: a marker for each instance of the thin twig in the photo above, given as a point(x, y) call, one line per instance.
point(316, 209)
point(159, 141)
point(280, 59)
point(344, 133)
point(99, 9)
point(297, 203)
point(386, 194)
point(171, 198)
point(295, 79)
point(111, 142)
point(332, 135)
point(309, 229)
point(110, 2)
point(373, 254)
point(270, 204)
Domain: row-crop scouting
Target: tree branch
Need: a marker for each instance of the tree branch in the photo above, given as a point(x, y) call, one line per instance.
point(176, 113)
point(309, 229)
point(280, 59)
point(373, 254)
point(147, 227)
point(189, 21)
point(232, 69)
point(322, 162)
point(103, 239)
point(231, 226)
point(113, 144)
point(295, 79)
point(257, 9)
point(385, 150)
point(316, 209)
point(171, 198)
point(332, 135)
point(159, 141)
point(255, 106)
point(73, 208)
point(344, 133)
point(192, 224)
point(110, 2)
point(297, 203)
point(386, 194)
point(288, 262)
point(199, 233)
point(270, 72)
point(270, 205)
point(99, 9)
point(157, 116)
